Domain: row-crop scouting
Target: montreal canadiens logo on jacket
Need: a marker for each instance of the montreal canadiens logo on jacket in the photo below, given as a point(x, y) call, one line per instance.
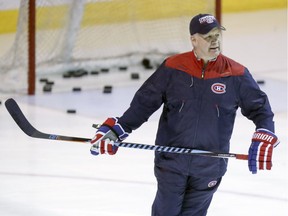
point(218, 88)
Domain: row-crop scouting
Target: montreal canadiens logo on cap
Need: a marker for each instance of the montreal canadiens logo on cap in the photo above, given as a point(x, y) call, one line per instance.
point(218, 88)
point(207, 19)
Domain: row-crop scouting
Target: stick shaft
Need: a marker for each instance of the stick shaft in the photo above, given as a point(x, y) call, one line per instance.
point(181, 150)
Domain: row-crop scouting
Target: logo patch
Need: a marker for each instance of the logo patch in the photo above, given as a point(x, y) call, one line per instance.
point(207, 19)
point(212, 184)
point(218, 88)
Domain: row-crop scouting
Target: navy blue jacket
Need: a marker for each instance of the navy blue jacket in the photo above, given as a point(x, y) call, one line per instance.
point(199, 109)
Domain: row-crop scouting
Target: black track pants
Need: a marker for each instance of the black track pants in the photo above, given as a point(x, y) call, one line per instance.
point(180, 195)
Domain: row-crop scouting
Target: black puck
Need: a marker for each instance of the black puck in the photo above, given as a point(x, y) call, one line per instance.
point(47, 88)
point(146, 63)
point(135, 76)
point(44, 80)
point(94, 72)
point(76, 89)
point(123, 68)
point(80, 73)
point(67, 74)
point(107, 89)
point(71, 111)
point(104, 70)
point(261, 82)
point(50, 82)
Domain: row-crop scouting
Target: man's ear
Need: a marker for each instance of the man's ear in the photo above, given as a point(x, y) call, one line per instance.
point(193, 40)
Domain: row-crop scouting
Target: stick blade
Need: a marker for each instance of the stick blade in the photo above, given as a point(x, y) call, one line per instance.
point(28, 129)
point(19, 117)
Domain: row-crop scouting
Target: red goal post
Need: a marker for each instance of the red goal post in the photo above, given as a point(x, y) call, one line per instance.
point(65, 34)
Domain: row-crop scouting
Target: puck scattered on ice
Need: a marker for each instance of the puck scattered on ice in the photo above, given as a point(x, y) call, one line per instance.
point(94, 72)
point(67, 74)
point(261, 81)
point(104, 70)
point(47, 88)
point(76, 89)
point(43, 80)
point(123, 68)
point(80, 73)
point(107, 89)
point(146, 63)
point(71, 111)
point(135, 76)
point(50, 82)
point(0, 102)
point(75, 73)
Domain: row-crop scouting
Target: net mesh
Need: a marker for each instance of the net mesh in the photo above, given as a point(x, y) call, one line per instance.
point(73, 34)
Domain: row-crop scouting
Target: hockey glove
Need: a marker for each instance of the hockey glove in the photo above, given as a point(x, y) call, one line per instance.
point(108, 133)
point(261, 149)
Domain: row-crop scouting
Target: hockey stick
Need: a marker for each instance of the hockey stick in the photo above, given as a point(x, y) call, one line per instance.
point(27, 128)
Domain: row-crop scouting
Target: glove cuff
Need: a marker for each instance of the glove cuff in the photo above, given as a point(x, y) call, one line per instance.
point(264, 135)
point(116, 128)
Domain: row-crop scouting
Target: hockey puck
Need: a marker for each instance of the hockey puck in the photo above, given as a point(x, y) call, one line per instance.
point(107, 89)
point(146, 63)
point(71, 111)
point(50, 82)
point(47, 88)
point(80, 73)
point(123, 68)
point(135, 76)
point(104, 70)
point(94, 72)
point(261, 82)
point(76, 89)
point(67, 74)
point(44, 80)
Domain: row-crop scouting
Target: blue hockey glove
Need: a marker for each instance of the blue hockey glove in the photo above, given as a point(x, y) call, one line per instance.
point(108, 133)
point(261, 149)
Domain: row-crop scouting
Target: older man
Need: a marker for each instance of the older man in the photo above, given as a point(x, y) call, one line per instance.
point(200, 91)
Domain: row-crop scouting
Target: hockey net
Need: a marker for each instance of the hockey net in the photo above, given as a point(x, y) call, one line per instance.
point(90, 34)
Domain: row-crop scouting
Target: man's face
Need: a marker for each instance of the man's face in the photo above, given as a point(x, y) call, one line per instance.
point(207, 46)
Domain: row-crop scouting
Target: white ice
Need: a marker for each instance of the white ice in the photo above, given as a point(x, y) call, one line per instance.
point(54, 178)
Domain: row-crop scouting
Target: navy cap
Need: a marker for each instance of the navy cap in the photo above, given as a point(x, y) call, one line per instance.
point(203, 23)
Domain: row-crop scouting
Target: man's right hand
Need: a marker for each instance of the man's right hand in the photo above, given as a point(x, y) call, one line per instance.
point(108, 133)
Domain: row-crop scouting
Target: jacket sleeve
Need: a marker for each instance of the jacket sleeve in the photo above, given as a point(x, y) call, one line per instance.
point(146, 100)
point(254, 103)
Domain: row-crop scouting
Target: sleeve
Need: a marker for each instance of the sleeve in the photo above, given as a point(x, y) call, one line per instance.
point(254, 103)
point(146, 100)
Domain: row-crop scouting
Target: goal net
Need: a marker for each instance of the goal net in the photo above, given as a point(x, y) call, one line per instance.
point(89, 34)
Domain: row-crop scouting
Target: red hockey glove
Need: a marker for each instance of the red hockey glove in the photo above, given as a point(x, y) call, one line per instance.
point(108, 133)
point(261, 149)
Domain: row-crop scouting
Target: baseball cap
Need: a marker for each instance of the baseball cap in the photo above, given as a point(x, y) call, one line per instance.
point(203, 23)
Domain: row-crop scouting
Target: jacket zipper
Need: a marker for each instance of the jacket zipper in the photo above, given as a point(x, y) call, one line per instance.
point(197, 121)
point(203, 70)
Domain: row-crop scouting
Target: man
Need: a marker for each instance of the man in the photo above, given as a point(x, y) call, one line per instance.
point(200, 92)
